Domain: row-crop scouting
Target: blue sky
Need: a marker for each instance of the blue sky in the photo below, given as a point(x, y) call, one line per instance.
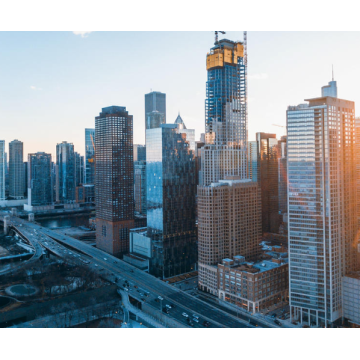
point(53, 84)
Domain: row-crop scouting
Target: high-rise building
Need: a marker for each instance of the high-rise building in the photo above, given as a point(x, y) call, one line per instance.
point(268, 154)
point(253, 161)
point(114, 179)
point(225, 152)
point(140, 186)
point(357, 137)
point(321, 206)
point(79, 167)
point(139, 152)
point(155, 109)
point(65, 160)
point(39, 179)
point(229, 222)
point(171, 192)
point(282, 176)
point(16, 170)
point(90, 156)
point(2, 169)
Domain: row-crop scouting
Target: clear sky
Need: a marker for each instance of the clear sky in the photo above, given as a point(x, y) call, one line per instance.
point(53, 84)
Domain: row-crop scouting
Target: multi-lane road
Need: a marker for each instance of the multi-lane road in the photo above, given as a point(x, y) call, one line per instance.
point(118, 271)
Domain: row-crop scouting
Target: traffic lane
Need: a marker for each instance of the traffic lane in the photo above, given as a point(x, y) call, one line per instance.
point(158, 285)
point(208, 311)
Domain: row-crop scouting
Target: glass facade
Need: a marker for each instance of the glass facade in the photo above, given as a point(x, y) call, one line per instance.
point(225, 152)
point(171, 190)
point(65, 160)
point(2, 169)
point(39, 179)
point(89, 156)
point(268, 154)
point(321, 202)
point(140, 186)
point(16, 170)
point(155, 109)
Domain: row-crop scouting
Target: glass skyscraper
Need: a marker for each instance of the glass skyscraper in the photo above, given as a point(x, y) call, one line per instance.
point(65, 160)
point(2, 169)
point(89, 156)
point(114, 179)
point(171, 191)
point(39, 179)
point(225, 152)
point(321, 206)
point(16, 170)
point(155, 109)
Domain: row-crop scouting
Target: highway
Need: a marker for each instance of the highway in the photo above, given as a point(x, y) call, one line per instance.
point(115, 270)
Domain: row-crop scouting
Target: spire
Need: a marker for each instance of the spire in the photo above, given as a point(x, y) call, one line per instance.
point(180, 121)
point(332, 72)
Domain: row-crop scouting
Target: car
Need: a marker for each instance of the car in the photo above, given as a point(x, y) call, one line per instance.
point(114, 261)
point(157, 300)
point(196, 320)
point(165, 310)
point(277, 322)
point(135, 286)
point(105, 259)
point(126, 289)
point(185, 314)
point(168, 306)
point(160, 298)
point(195, 316)
point(206, 323)
point(96, 265)
point(273, 316)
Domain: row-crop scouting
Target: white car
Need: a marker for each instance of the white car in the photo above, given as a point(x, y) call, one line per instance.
point(196, 320)
point(168, 306)
point(185, 314)
point(105, 259)
point(195, 316)
point(160, 298)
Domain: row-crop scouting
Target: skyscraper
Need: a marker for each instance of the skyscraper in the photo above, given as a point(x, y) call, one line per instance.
point(139, 152)
point(140, 186)
point(321, 206)
point(282, 176)
point(16, 170)
point(90, 156)
point(155, 109)
point(225, 152)
point(228, 202)
point(268, 154)
point(79, 166)
point(39, 179)
point(114, 179)
point(65, 160)
point(171, 191)
point(2, 169)
point(229, 224)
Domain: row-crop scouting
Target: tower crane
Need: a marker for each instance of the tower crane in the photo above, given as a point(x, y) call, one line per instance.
point(217, 35)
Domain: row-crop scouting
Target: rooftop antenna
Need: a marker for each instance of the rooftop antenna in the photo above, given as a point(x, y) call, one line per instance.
point(332, 72)
point(217, 36)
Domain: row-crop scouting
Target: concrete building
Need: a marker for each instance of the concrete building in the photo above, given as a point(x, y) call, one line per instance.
point(2, 169)
point(16, 170)
point(229, 219)
point(229, 224)
point(351, 297)
point(114, 179)
point(255, 286)
point(321, 206)
point(66, 162)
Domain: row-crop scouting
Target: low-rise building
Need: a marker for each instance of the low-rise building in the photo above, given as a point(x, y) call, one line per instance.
point(257, 285)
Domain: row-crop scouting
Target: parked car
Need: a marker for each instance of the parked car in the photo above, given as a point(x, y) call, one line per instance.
point(277, 322)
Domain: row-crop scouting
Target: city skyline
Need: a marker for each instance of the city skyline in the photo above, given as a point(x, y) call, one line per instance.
point(38, 74)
